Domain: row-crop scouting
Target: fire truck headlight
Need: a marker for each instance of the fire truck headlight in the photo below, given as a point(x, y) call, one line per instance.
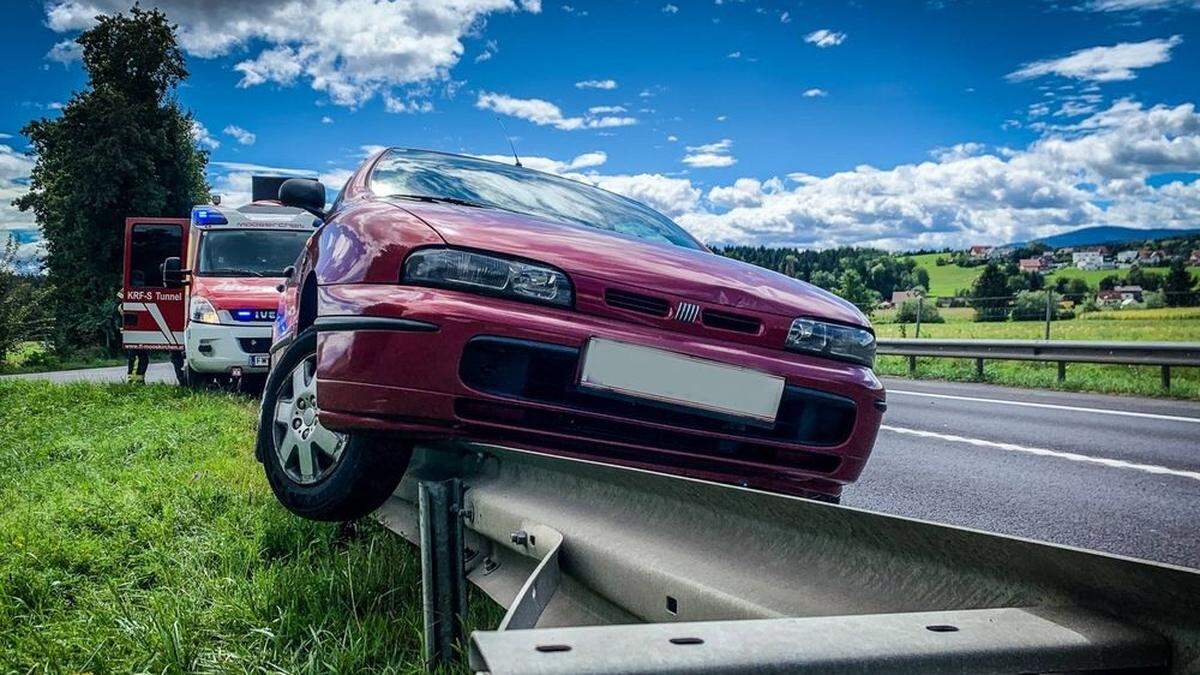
point(203, 312)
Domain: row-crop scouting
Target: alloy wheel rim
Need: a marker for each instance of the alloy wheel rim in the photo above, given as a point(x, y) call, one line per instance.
point(306, 451)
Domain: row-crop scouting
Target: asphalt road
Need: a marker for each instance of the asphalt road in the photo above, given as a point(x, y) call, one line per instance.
point(1115, 474)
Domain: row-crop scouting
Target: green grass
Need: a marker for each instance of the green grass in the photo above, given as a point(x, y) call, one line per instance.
point(138, 535)
point(948, 279)
point(33, 357)
point(1169, 324)
point(1106, 379)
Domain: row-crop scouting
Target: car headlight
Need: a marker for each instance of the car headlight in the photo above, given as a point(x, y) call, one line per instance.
point(832, 340)
point(202, 311)
point(489, 274)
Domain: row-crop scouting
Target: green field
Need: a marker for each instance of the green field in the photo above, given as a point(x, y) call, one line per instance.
point(947, 280)
point(139, 535)
point(1165, 325)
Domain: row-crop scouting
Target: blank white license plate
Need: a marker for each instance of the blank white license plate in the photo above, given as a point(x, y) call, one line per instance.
point(260, 360)
point(655, 374)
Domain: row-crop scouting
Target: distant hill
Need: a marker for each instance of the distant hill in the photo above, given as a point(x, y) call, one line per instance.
point(1111, 234)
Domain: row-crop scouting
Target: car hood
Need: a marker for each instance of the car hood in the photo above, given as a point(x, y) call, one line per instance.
point(581, 250)
point(237, 292)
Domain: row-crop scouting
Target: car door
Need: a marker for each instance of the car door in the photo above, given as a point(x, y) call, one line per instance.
point(153, 304)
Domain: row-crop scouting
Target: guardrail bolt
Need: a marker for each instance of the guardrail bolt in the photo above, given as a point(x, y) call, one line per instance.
point(520, 537)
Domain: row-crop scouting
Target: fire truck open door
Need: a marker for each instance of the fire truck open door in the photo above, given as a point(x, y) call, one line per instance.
point(153, 305)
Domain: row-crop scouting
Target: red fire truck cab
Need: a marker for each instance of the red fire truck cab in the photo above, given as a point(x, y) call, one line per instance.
point(204, 288)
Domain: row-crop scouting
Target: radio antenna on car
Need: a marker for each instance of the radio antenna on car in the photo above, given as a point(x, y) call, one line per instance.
point(510, 141)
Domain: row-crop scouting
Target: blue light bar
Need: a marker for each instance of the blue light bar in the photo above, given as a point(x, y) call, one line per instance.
point(243, 314)
point(207, 216)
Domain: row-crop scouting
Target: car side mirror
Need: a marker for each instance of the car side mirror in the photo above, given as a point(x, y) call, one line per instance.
point(287, 274)
point(173, 272)
point(304, 193)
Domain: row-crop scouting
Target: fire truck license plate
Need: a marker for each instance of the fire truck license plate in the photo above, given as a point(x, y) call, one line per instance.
point(260, 360)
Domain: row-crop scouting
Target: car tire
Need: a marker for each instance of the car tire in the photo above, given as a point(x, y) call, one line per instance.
point(336, 476)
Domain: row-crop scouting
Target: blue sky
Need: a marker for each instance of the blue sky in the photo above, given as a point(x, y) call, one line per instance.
point(814, 124)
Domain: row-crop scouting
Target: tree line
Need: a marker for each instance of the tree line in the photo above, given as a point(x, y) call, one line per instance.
point(864, 276)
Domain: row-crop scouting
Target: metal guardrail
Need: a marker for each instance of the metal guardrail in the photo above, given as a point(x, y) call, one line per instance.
point(1162, 354)
point(607, 569)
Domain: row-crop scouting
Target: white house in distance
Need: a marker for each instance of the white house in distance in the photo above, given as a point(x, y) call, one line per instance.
point(1127, 257)
point(1087, 260)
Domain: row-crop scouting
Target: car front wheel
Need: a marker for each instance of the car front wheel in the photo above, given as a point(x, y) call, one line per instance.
point(315, 472)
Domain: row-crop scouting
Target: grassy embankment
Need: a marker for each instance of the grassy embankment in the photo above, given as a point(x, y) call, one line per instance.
point(139, 535)
point(1147, 325)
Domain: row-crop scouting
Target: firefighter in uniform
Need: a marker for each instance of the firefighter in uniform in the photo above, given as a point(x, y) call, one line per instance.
point(137, 360)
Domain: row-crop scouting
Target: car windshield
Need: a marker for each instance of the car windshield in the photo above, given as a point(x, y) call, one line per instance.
point(467, 180)
point(249, 253)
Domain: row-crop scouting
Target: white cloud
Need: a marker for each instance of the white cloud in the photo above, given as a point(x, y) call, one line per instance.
point(743, 192)
point(710, 155)
point(64, 52)
point(412, 105)
point(201, 135)
point(596, 84)
point(240, 135)
point(786, 17)
point(969, 196)
point(1139, 5)
point(825, 37)
point(548, 165)
point(351, 50)
point(815, 93)
point(672, 196)
point(605, 109)
point(1102, 64)
point(672, 138)
point(670, 9)
point(490, 48)
point(545, 113)
point(326, 119)
point(733, 55)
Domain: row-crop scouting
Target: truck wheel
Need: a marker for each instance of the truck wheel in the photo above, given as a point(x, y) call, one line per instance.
point(314, 472)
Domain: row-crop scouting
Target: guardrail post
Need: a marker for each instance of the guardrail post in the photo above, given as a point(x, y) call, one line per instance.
point(1062, 372)
point(1166, 378)
point(1049, 311)
point(979, 369)
point(920, 306)
point(912, 366)
point(443, 582)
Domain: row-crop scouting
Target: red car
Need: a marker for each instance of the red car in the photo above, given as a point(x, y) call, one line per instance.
point(452, 297)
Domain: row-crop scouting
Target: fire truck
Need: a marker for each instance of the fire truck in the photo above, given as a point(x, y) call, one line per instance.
point(204, 288)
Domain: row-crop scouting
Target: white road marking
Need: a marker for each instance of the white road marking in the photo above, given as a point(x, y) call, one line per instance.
point(1074, 457)
point(1052, 406)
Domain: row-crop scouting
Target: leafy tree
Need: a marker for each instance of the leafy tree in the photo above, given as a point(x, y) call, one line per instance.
point(1179, 284)
point(1150, 281)
point(20, 301)
point(824, 279)
point(908, 312)
point(852, 287)
point(1031, 306)
point(988, 294)
point(1075, 287)
point(1109, 282)
point(122, 147)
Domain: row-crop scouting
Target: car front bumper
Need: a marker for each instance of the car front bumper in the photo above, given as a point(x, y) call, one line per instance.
point(432, 363)
point(219, 348)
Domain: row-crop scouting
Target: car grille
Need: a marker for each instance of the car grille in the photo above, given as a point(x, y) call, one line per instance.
point(259, 345)
point(734, 322)
point(636, 302)
point(545, 373)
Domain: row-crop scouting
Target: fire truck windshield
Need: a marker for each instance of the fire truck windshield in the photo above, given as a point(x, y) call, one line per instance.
point(248, 253)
